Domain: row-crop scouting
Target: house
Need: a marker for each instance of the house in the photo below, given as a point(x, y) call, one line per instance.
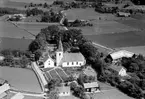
point(123, 14)
point(18, 96)
point(48, 62)
point(116, 56)
point(66, 59)
point(91, 87)
point(121, 71)
point(2, 58)
point(64, 91)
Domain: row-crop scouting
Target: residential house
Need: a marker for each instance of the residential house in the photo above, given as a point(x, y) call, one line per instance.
point(121, 71)
point(64, 91)
point(4, 87)
point(118, 55)
point(91, 87)
point(66, 59)
point(48, 62)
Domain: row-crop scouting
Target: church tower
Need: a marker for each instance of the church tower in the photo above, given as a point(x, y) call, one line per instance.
point(59, 53)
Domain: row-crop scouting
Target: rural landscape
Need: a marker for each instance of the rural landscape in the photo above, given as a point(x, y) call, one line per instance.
point(72, 49)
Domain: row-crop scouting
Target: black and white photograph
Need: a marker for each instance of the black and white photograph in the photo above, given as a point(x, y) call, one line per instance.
point(72, 49)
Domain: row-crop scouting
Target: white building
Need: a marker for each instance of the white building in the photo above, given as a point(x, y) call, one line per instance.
point(48, 62)
point(120, 70)
point(68, 59)
point(64, 91)
point(120, 54)
point(91, 87)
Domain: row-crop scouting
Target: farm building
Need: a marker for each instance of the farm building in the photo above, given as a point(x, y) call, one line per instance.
point(118, 55)
point(91, 87)
point(121, 71)
point(64, 91)
point(123, 14)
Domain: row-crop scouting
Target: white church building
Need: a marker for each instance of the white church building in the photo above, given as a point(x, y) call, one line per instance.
point(64, 59)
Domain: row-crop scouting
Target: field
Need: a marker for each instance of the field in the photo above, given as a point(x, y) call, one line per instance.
point(9, 30)
point(14, 43)
point(111, 94)
point(21, 79)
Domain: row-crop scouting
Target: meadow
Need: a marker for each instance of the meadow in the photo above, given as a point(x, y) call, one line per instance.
point(21, 79)
point(14, 43)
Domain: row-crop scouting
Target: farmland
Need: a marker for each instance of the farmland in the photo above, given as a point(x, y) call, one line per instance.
point(14, 43)
point(21, 79)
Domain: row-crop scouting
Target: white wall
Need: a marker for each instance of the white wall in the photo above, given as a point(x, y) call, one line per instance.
point(122, 72)
point(71, 64)
point(49, 63)
point(64, 94)
point(59, 56)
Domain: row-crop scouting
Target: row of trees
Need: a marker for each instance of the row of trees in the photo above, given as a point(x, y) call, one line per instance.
point(15, 58)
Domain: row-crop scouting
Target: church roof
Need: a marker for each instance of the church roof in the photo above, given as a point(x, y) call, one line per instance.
point(73, 57)
point(60, 46)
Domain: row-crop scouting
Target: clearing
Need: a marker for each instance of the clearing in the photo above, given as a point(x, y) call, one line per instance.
point(21, 79)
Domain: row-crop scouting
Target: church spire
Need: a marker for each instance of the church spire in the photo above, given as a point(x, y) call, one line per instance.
point(60, 46)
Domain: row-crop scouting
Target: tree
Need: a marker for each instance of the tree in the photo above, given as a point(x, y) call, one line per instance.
point(24, 62)
point(37, 53)
point(6, 52)
point(133, 67)
point(9, 61)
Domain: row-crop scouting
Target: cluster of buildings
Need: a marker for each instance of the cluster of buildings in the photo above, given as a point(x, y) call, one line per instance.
point(63, 59)
point(4, 91)
point(116, 57)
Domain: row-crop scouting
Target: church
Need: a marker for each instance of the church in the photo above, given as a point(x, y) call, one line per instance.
point(65, 59)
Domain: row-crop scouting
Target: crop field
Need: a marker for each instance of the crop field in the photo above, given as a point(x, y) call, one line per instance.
point(34, 1)
point(34, 27)
point(13, 4)
point(9, 30)
point(21, 79)
point(134, 49)
point(14, 43)
point(111, 94)
point(118, 39)
point(106, 27)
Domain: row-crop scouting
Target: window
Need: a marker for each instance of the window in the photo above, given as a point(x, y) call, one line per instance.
point(59, 54)
point(67, 63)
point(80, 64)
point(72, 63)
point(77, 63)
point(48, 63)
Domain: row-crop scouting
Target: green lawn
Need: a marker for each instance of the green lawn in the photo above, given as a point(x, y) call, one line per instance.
point(21, 79)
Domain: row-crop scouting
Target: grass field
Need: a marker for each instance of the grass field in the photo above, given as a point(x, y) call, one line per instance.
point(14, 43)
point(111, 94)
point(9, 30)
point(21, 79)
point(106, 27)
point(119, 39)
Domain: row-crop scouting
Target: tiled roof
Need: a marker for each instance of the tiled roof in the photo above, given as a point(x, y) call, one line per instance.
point(73, 57)
point(91, 85)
